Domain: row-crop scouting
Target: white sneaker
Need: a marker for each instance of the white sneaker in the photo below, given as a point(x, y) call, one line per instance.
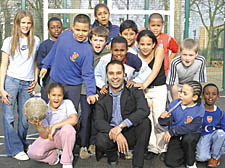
point(21, 156)
point(67, 166)
point(59, 152)
point(193, 166)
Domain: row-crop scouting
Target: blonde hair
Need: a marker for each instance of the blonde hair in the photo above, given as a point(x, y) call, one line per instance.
point(16, 33)
point(189, 44)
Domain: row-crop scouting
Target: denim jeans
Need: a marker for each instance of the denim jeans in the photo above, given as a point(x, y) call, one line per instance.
point(211, 145)
point(15, 141)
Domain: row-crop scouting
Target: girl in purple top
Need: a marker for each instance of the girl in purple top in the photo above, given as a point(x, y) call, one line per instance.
point(56, 130)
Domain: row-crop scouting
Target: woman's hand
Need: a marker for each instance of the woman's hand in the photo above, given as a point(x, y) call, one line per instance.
point(31, 87)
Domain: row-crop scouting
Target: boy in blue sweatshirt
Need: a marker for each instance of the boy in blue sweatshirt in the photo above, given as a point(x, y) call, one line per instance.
point(71, 62)
point(184, 119)
point(211, 145)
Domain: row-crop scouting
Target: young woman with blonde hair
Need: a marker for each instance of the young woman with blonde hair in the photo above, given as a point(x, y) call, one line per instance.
point(17, 81)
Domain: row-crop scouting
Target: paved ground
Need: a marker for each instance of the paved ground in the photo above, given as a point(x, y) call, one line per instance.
point(214, 75)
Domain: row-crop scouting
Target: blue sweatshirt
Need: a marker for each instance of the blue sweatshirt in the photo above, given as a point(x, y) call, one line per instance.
point(113, 30)
point(184, 119)
point(71, 62)
point(213, 121)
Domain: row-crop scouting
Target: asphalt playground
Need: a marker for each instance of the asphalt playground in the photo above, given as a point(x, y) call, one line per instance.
point(9, 162)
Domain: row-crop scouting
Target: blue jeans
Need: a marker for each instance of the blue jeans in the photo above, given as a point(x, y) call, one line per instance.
point(211, 145)
point(15, 142)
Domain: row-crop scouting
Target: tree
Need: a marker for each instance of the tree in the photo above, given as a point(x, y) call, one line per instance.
point(213, 9)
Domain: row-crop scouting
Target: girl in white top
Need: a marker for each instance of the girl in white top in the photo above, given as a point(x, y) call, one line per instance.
point(17, 81)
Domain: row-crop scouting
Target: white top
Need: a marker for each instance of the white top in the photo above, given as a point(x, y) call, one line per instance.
point(20, 67)
point(65, 109)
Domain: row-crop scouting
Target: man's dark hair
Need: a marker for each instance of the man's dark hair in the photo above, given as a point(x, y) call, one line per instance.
point(82, 18)
point(53, 19)
point(113, 62)
point(128, 24)
point(211, 84)
point(119, 39)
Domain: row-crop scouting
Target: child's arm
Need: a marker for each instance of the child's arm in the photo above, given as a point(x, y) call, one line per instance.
point(193, 126)
point(165, 119)
point(174, 90)
point(72, 120)
point(100, 74)
point(159, 56)
point(173, 46)
point(172, 56)
point(43, 131)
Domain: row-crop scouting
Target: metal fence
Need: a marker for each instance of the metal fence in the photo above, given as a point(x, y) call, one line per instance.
point(206, 21)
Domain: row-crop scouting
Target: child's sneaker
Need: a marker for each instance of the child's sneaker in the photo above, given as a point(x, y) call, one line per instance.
point(67, 166)
point(21, 156)
point(59, 152)
point(193, 166)
point(213, 163)
point(91, 149)
point(84, 153)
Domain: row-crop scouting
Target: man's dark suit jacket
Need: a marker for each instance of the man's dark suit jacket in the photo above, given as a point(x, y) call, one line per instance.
point(132, 103)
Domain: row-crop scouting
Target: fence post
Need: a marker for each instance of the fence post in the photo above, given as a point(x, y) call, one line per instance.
point(224, 54)
point(64, 15)
point(23, 4)
point(146, 16)
point(187, 13)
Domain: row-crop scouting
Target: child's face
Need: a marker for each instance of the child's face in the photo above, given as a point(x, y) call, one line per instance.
point(80, 31)
point(55, 97)
point(119, 51)
point(210, 95)
point(102, 16)
point(129, 35)
point(156, 26)
point(146, 45)
point(25, 26)
point(55, 29)
point(98, 43)
point(186, 95)
point(188, 57)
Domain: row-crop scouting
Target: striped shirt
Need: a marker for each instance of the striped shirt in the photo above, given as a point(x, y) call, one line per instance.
point(179, 74)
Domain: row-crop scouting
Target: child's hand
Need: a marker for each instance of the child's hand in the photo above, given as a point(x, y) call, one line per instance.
point(166, 136)
point(130, 84)
point(43, 72)
point(92, 99)
point(51, 132)
point(104, 89)
point(165, 114)
point(38, 124)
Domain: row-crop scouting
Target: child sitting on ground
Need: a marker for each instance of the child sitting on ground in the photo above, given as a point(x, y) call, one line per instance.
point(211, 144)
point(56, 130)
point(184, 120)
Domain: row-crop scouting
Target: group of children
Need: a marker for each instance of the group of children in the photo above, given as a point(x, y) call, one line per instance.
point(72, 70)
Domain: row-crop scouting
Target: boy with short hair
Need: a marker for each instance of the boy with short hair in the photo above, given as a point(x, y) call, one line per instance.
point(186, 67)
point(155, 24)
point(54, 29)
point(132, 63)
point(129, 30)
point(211, 145)
point(71, 60)
point(98, 38)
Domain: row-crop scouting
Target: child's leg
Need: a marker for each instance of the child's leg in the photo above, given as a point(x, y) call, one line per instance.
point(13, 143)
point(203, 148)
point(65, 140)
point(189, 143)
point(85, 121)
point(43, 150)
point(158, 96)
point(22, 120)
point(174, 155)
point(218, 144)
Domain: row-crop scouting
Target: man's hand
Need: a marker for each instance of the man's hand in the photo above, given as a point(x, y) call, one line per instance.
point(5, 96)
point(43, 72)
point(130, 84)
point(122, 144)
point(92, 98)
point(104, 89)
point(165, 114)
point(114, 132)
point(166, 136)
